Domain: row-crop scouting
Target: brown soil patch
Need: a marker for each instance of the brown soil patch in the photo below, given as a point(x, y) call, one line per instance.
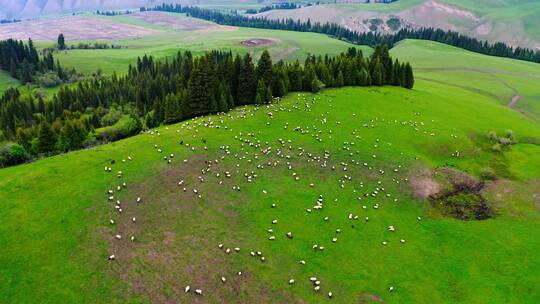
point(255, 42)
point(177, 235)
point(373, 297)
point(514, 101)
point(175, 21)
point(424, 187)
point(73, 28)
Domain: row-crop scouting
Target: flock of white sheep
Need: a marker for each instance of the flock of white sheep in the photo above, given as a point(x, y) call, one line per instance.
point(254, 155)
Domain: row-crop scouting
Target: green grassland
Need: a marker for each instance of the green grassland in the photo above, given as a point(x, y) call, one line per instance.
point(494, 77)
point(286, 45)
point(512, 21)
point(56, 234)
point(7, 81)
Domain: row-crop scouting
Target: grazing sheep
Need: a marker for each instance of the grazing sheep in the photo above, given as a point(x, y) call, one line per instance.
point(187, 289)
point(198, 291)
point(302, 262)
point(112, 222)
point(291, 281)
point(118, 237)
point(223, 279)
point(138, 199)
point(132, 238)
point(330, 294)
point(112, 257)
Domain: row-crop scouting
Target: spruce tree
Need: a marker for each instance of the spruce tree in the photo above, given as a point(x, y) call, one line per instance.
point(339, 80)
point(247, 82)
point(173, 109)
point(46, 138)
point(61, 42)
point(261, 92)
point(377, 74)
point(409, 76)
point(264, 68)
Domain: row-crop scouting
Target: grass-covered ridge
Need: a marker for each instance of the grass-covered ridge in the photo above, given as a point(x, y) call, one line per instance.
point(65, 233)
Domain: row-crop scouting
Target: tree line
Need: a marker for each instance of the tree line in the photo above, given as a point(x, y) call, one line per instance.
point(23, 62)
point(498, 49)
point(277, 6)
point(155, 92)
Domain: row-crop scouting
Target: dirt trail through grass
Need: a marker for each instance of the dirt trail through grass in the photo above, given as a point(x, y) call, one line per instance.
point(514, 101)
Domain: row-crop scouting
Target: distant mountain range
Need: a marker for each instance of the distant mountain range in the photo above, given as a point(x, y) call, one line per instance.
point(10, 9)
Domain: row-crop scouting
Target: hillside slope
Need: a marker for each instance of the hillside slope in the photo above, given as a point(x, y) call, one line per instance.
point(33, 8)
point(56, 212)
point(513, 22)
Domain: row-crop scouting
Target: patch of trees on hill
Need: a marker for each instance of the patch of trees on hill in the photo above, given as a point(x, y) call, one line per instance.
point(447, 37)
point(22, 61)
point(113, 13)
point(4, 21)
point(278, 6)
point(155, 92)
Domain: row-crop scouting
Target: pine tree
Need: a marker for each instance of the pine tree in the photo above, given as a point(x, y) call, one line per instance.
point(409, 76)
point(46, 138)
point(364, 79)
point(377, 74)
point(61, 42)
point(315, 85)
point(295, 77)
point(247, 82)
point(264, 68)
point(261, 93)
point(173, 108)
point(339, 80)
point(223, 104)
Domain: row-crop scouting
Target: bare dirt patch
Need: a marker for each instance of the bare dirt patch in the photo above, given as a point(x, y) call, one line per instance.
point(177, 22)
point(373, 297)
point(73, 28)
point(463, 200)
point(424, 187)
point(514, 101)
point(256, 42)
point(453, 193)
point(177, 234)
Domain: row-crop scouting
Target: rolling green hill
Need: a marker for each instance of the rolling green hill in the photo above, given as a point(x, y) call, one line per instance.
point(281, 44)
point(510, 21)
point(366, 152)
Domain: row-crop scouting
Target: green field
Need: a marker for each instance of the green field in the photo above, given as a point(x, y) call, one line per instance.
point(286, 45)
point(514, 22)
point(56, 234)
point(494, 77)
point(7, 81)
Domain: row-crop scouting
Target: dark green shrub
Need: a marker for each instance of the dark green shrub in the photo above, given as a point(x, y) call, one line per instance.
point(125, 127)
point(12, 154)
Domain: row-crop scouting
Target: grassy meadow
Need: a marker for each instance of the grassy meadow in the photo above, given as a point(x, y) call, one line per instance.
point(284, 45)
point(56, 212)
point(356, 150)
